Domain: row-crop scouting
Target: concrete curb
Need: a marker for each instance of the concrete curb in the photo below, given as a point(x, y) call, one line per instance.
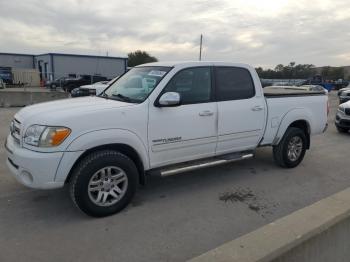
point(274, 240)
point(12, 98)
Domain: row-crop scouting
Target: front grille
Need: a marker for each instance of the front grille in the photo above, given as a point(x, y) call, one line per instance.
point(16, 130)
point(347, 111)
point(344, 123)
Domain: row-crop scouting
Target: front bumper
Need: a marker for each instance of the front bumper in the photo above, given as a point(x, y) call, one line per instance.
point(32, 169)
point(342, 120)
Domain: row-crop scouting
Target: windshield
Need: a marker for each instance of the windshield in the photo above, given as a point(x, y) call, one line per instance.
point(135, 85)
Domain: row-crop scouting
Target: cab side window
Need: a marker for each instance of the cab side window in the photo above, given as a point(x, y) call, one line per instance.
point(233, 83)
point(193, 85)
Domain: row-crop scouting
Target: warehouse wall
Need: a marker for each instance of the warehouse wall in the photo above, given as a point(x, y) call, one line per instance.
point(44, 59)
point(85, 65)
point(16, 60)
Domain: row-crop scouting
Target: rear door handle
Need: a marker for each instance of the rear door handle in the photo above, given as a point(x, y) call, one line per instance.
point(257, 108)
point(206, 113)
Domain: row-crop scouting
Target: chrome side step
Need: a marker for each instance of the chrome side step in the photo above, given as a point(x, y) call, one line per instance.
point(204, 163)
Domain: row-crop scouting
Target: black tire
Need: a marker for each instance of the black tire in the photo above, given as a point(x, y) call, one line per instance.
point(342, 129)
point(280, 152)
point(88, 167)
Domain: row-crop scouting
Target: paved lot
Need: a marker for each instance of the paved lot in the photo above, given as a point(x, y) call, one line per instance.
point(173, 218)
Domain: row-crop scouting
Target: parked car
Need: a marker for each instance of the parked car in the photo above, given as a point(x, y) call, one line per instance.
point(344, 94)
point(58, 82)
point(340, 83)
point(70, 83)
point(342, 118)
point(91, 90)
point(160, 117)
point(6, 75)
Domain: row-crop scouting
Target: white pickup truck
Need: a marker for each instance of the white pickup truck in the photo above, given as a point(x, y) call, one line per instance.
point(158, 117)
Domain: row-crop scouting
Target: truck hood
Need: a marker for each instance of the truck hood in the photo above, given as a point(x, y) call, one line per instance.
point(48, 112)
point(94, 86)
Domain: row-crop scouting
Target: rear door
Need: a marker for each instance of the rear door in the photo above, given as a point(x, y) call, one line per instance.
point(241, 110)
point(188, 131)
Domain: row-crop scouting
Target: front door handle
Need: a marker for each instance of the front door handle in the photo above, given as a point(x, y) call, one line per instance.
point(257, 108)
point(206, 113)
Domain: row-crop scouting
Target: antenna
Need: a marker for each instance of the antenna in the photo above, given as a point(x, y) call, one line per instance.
point(200, 47)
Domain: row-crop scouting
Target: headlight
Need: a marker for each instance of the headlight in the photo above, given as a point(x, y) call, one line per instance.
point(45, 136)
point(341, 109)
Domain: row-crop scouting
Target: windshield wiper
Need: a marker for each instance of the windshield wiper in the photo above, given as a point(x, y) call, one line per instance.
point(122, 98)
point(103, 95)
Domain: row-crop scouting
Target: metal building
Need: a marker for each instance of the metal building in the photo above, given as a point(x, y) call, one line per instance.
point(55, 65)
point(16, 60)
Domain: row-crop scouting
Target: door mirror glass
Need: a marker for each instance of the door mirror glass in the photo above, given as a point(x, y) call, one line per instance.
point(170, 99)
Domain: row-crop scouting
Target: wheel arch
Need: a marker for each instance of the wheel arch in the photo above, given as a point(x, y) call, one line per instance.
point(122, 148)
point(299, 118)
point(120, 140)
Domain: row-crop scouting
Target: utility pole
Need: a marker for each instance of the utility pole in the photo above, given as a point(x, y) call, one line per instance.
point(200, 48)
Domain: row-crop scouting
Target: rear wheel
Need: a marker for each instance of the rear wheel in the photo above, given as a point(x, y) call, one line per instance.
point(291, 149)
point(104, 183)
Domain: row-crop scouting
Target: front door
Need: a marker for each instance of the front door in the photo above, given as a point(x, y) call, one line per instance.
point(188, 131)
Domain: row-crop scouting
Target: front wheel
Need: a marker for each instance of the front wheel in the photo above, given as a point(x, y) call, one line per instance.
point(291, 149)
point(104, 183)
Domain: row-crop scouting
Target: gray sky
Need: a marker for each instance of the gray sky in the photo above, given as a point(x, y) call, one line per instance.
point(259, 32)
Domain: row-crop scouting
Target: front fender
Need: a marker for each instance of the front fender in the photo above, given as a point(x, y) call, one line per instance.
point(110, 136)
point(290, 117)
point(97, 138)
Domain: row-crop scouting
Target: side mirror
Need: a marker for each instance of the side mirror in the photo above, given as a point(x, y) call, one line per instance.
point(169, 99)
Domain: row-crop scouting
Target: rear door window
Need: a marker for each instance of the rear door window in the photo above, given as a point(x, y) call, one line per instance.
point(233, 83)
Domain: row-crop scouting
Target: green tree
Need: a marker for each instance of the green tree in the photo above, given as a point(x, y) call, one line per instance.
point(337, 73)
point(326, 72)
point(140, 57)
point(259, 70)
point(290, 71)
point(279, 68)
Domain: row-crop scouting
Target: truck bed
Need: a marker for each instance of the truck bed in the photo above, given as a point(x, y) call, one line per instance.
point(283, 92)
point(308, 105)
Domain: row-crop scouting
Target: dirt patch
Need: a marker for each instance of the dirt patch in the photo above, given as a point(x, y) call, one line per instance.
point(248, 197)
point(239, 195)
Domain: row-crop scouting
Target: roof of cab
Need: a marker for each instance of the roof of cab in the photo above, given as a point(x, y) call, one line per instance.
point(193, 63)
